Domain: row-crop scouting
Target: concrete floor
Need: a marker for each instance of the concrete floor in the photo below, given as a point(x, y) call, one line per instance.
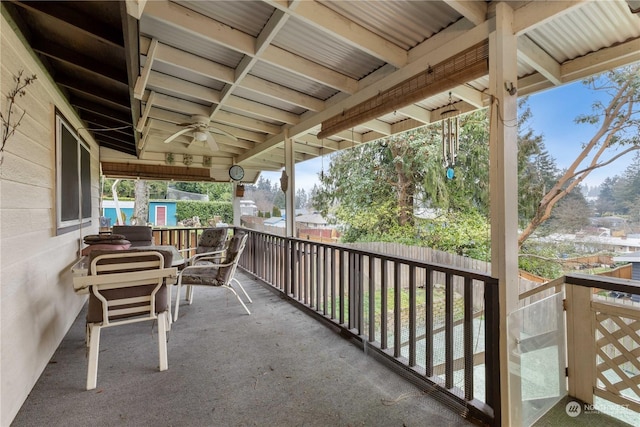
point(276, 367)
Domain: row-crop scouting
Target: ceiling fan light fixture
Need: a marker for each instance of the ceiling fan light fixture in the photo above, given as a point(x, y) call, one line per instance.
point(200, 136)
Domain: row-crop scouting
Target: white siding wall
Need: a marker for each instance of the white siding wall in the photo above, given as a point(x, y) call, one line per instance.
point(37, 303)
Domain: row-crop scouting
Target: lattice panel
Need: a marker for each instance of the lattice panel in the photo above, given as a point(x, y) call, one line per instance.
point(618, 355)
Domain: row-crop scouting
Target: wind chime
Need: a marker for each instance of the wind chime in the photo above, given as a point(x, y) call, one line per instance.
point(322, 160)
point(450, 134)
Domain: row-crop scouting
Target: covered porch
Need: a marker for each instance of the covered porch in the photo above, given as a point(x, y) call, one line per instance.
point(276, 367)
point(137, 85)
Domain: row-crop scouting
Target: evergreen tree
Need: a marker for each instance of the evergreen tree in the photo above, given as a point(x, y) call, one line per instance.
point(606, 204)
point(626, 192)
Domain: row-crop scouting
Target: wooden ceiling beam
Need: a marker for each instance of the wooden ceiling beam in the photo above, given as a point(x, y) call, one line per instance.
point(323, 18)
point(474, 11)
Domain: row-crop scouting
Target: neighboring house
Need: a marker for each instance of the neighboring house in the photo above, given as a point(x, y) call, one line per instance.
point(608, 221)
point(162, 213)
point(275, 222)
point(634, 259)
point(314, 220)
point(248, 207)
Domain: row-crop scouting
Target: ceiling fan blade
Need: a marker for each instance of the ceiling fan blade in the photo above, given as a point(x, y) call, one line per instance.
point(213, 146)
point(177, 134)
point(221, 132)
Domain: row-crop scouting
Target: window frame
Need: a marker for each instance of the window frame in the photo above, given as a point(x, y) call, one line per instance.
point(73, 184)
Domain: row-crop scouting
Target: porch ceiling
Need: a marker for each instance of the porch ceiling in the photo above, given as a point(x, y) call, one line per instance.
point(260, 68)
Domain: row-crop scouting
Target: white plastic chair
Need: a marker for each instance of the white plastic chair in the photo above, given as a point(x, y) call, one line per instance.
point(127, 287)
point(217, 269)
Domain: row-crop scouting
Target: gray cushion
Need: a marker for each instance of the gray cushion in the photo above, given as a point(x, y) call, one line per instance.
point(235, 245)
point(138, 235)
point(212, 239)
point(215, 276)
point(202, 276)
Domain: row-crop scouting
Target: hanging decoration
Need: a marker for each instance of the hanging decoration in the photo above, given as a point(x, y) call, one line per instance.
point(322, 160)
point(240, 190)
point(450, 134)
point(284, 181)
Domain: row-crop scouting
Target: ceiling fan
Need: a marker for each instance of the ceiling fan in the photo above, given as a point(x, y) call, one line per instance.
point(201, 131)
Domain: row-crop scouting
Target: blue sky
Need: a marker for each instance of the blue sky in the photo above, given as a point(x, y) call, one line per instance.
point(554, 112)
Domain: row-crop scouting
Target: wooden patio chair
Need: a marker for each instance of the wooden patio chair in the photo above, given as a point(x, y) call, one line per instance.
point(215, 269)
point(127, 286)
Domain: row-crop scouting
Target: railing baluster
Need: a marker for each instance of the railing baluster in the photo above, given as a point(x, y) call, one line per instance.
point(300, 271)
point(372, 299)
point(319, 277)
point(412, 315)
point(468, 338)
point(397, 311)
point(341, 284)
point(312, 276)
point(326, 252)
point(351, 292)
point(384, 309)
point(332, 268)
point(359, 288)
point(429, 323)
point(448, 331)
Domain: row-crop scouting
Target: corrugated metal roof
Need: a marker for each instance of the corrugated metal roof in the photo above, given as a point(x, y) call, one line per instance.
point(326, 50)
point(591, 27)
point(279, 104)
point(303, 54)
point(405, 23)
point(189, 42)
point(291, 80)
point(247, 16)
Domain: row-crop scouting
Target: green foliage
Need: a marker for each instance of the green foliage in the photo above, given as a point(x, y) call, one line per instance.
point(464, 233)
point(126, 189)
point(540, 259)
point(372, 190)
point(275, 212)
point(186, 209)
point(537, 171)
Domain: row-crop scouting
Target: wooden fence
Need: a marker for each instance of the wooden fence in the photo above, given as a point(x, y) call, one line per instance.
point(429, 255)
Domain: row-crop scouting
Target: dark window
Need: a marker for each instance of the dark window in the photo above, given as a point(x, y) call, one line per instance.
point(73, 165)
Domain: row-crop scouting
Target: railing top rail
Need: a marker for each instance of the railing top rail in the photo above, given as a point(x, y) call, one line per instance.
point(463, 272)
point(603, 282)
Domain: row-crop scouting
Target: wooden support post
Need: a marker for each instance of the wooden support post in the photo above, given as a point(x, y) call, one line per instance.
point(290, 194)
point(580, 343)
point(503, 185)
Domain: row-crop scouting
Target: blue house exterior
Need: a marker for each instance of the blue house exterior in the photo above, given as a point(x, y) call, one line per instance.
point(162, 213)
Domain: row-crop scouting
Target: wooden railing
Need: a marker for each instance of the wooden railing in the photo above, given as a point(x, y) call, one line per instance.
point(444, 340)
point(438, 324)
point(607, 363)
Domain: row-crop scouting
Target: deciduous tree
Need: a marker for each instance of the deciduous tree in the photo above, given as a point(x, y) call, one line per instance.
point(616, 135)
